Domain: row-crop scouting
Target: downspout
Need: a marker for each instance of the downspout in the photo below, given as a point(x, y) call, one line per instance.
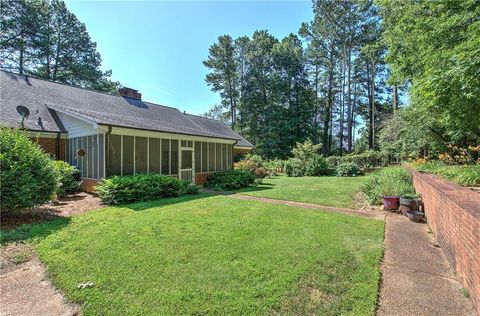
point(236, 142)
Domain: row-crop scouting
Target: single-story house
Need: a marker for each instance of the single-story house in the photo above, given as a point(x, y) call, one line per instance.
point(105, 134)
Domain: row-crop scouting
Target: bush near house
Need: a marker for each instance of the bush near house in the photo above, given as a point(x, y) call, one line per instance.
point(387, 181)
point(26, 172)
point(347, 169)
point(67, 176)
point(230, 180)
point(141, 187)
point(253, 164)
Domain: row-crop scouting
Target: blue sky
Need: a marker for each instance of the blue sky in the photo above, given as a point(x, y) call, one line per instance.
point(158, 47)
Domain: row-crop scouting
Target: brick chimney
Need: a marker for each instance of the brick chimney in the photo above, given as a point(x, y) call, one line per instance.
point(130, 93)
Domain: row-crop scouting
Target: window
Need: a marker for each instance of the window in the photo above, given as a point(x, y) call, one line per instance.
point(204, 157)
point(154, 155)
point(114, 155)
point(211, 157)
point(165, 156)
point(198, 156)
point(174, 156)
point(128, 155)
point(218, 157)
point(141, 154)
point(90, 151)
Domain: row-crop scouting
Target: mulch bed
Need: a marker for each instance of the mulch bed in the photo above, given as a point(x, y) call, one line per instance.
point(67, 206)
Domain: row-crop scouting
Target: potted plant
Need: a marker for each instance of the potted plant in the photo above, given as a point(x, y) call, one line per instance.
point(391, 202)
point(415, 216)
point(411, 200)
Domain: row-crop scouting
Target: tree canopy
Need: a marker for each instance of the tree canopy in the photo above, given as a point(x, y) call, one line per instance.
point(42, 38)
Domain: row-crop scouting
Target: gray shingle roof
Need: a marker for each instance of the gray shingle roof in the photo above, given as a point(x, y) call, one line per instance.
point(42, 97)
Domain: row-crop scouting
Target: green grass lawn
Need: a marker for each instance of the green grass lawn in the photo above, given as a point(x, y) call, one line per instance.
point(213, 255)
point(332, 191)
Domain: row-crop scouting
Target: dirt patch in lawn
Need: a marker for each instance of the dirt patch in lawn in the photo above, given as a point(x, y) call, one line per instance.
point(24, 285)
point(25, 289)
point(67, 206)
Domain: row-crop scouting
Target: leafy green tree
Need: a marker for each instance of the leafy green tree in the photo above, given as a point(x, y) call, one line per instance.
point(439, 55)
point(44, 39)
point(223, 77)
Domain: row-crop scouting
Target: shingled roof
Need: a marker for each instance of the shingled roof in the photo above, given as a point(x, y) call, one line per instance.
point(43, 98)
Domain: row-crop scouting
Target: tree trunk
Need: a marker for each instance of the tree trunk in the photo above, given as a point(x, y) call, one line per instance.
point(328, 110)
point(349, 106)
point(342, 105)
point(372, 109)
point(395, 99)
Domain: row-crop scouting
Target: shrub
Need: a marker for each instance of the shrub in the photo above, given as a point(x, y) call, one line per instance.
point(468, 175)
point(67, 176)
point(294, 167)
point(274, 167)
point(347, 169)
point(305, 151)
point(387, 181)
point(141, 187)
point(367, 159)
point(230, 180)
point(26, 172)
point(253, 164)
point(316, 166)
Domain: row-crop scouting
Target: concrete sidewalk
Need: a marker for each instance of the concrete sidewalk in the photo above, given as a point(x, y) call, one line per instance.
point(416, 277)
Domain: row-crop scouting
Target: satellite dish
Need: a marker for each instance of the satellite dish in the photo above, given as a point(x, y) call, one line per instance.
point(23, 111)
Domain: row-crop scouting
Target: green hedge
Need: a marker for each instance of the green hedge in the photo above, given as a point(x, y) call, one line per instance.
point(347, 169)
point(26, 172)
point(387, 181)
point(368, 159)
point(66, 177)
point(141, 187)
point(230, 180)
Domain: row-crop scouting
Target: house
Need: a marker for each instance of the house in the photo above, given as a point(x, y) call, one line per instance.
point(104, 134)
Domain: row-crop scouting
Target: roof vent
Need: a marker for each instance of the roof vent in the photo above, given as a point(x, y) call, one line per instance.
point(130, 93)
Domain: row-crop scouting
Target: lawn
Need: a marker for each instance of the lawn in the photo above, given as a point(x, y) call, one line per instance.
point(214, 255)
point(331, 191)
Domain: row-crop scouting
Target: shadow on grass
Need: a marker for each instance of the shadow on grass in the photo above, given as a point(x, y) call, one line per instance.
point(261, 187)
point(30, 232)
point(141, 206)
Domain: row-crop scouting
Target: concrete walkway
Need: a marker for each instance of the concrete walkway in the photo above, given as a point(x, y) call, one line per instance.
point(416, 277)
point(348, 211)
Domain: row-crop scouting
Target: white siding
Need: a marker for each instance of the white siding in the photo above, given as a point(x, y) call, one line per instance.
point(76, 127)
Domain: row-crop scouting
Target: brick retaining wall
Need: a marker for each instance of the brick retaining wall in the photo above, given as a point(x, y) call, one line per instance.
point(453, 213)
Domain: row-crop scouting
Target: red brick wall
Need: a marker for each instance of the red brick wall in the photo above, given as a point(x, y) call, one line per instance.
point(453, 213)
point(201, 178)
point(50, 146)
point(87, 185)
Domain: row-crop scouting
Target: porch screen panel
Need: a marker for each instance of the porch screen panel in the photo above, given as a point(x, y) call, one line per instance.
point(141, 154)
point(101, 157)
point(90, 154)
point(128, 157)
point(198, 156)
point(224, 157)
point(154, 155)
point(204, 157)
point(218, 157)
point(95, 157)
point(114, 155)
point(229, 152)
point(165, 156)
point(174, 156)
point(211, 157)
point(187, 162)
point(83, 159)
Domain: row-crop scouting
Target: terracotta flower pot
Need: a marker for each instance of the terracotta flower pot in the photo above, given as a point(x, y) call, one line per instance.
point(391, 202)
